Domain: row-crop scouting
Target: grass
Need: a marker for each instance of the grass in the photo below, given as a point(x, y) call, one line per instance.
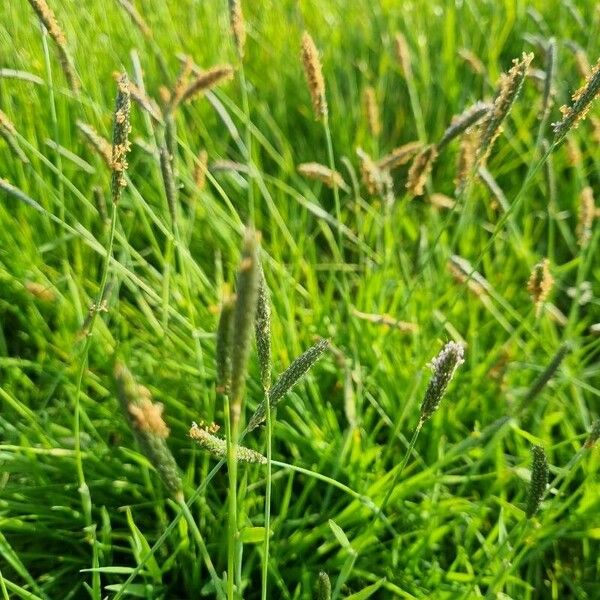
point(454, 524)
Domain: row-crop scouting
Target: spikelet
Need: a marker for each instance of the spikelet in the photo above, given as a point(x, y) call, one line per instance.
point(546, 375)
point(224, 343)
point(403, 55)
point(585, 216)
point(540, 284)
point(323, 174)
point(574, 155)
point(467, 155)
point(142, 99)
point(550, 70)
point(263, 330)
point(594, 435)
point(46, 16)
point(217, 446)
point(323, 587)
point(581, 101)
point(99, 143)
point(420, 170)
point(539, 481)
point(238, 26)
point(508, 90)
point(314, 76)
point(460, 123)
point(472, 60)
point(149, 429)
point(137, 18)
point(288, 379)
point(43, 292)
point(120, 145)
point(9, 133)
point(399, 156)
point(181, 83)
point(243, 321)
point(200, 169)
point(441, 201)
point(444, 366)
point(372, 111)
point(205, 81)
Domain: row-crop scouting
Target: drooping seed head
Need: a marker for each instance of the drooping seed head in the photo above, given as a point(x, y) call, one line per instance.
point(205, 81)
point(539, 481)
point(99, 143)
point(121, 130)
point(137, 18)
point(420, 170)
point(467, 155)
point(200, 169)
point(580, 105)
point(314, 75)
point(443, 366)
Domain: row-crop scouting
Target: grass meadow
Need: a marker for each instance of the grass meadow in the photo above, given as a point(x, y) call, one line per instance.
point(409, 235)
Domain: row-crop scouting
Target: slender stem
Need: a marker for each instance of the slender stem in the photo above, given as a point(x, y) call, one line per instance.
point(248, 142)
point(336, 191)
point(265, 565)
point(232, 434)
point(409, 450)
point(187, 513)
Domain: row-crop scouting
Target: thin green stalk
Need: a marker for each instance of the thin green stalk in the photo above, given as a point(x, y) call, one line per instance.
point(403, 464)
point(185, 510)
point(231, 436)
point(336, 191)
point(248, 142)
point(265, 564)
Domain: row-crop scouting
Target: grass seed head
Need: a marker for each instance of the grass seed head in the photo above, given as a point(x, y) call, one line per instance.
point(585, 216)
point(580, 105)
point(205, 81)
point(323, 174)
point(120, 145)
point(224, 343)
point(99, 143)
point(48, 19)
point(372, 111)
point(238, 26)
point(137, 18)
point(201, 169)
point(420, 170)
point(263, 330)
point(403, 55)
point(443, 366)
point(540, 284)
point(460, 123)
point(323, 587)
point(539, 480)
point(399, 156)
point(314, 76)
point(217, 446)
point(142, 99)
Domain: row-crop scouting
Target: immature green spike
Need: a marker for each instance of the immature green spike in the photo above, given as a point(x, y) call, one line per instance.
point(549, 372)
point(539, 480)
point(224, 343)
point(169, 183)
point(144, 418)
point(263, 330)
point(290, 377)
point(243, 320)
point(323, 587)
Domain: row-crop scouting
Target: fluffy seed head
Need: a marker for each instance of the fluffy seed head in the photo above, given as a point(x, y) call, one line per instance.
point(121, 130)
point(443, 367)
point(314, 75)
point(403, 55)
point(147, 417)
point(580, 105)
point(205, 81)
point(539, 480)
point(540, 283)
point(420, 169)
point(467, 155)
point(586, 215)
